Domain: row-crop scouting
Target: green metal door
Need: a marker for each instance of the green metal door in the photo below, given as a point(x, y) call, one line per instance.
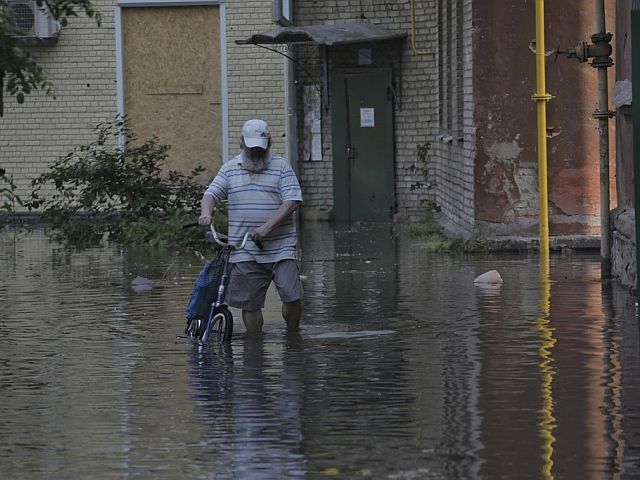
point(363, 168)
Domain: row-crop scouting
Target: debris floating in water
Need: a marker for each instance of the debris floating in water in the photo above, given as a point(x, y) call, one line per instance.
point(141, 284)
point(492, 277)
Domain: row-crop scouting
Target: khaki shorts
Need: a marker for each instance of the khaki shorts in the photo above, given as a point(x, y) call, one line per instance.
point(250, 282)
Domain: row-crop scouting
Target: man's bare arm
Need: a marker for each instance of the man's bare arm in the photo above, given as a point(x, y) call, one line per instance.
point(206, 209)
point(282, 214)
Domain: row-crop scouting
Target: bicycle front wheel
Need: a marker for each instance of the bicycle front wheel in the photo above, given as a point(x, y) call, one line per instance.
point(222, 324)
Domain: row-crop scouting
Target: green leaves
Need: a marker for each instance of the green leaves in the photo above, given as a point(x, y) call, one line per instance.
point(101, 188)
point(7, 193)
point(167, 232)
point(8, 199)
point(421, 167)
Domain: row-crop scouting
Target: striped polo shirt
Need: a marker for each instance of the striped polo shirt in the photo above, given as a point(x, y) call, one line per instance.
point(253, 198)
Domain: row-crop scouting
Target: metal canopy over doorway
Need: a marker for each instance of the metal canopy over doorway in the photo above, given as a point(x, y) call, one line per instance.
point(329, 35)
point(326, 36)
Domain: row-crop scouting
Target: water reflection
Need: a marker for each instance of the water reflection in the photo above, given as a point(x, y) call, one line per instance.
point(254, 403)
point(403, 368)
point(547, 423)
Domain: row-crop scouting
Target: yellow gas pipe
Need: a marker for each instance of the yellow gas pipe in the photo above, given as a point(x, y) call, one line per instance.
point(413, 32)
point(541, 98)
point(547, 422)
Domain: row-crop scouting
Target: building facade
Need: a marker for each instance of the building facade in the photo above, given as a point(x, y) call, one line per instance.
point(386, 109)
point(461, 84)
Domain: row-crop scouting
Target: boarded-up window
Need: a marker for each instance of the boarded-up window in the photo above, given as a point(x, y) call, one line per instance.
point(172, 81)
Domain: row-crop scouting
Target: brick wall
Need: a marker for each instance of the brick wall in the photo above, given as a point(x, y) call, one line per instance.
point(316, 177)
point(452, 173)
point(81, 66)
point(255, 75)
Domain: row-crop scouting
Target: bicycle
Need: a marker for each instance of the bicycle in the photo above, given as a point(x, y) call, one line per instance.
point(220, 318)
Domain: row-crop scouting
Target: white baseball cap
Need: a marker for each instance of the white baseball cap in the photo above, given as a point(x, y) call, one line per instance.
point(256, 133)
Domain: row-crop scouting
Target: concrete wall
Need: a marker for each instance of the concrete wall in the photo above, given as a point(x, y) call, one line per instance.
point(623, 246)
point(506, 192)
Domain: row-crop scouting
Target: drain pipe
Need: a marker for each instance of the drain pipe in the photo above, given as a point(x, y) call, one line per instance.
point(600, 51)
point(602, 41)
point(290, 106)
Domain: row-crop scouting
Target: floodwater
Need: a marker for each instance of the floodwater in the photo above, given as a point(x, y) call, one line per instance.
point(403, 369)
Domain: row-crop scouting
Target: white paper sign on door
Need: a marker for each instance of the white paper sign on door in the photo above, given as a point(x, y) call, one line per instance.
point(367, 117)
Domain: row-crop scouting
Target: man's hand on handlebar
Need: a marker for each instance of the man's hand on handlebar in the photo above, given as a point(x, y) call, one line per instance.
point(257, 236)
point(205, 220)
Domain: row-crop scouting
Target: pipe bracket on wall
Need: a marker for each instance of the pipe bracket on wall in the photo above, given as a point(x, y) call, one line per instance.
point(606, 114)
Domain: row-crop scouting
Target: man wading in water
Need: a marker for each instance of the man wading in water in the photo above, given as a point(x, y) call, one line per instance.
point(262, 192)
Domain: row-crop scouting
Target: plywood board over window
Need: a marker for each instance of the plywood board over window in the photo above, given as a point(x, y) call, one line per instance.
point(172, 81)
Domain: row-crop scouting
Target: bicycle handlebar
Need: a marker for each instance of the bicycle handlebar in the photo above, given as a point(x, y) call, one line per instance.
point(246, 237)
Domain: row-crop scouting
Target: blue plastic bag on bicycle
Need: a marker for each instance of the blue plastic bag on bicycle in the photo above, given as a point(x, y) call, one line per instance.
point(205, 290)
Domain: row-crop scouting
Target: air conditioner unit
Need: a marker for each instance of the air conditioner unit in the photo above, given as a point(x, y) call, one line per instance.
point(34, 21)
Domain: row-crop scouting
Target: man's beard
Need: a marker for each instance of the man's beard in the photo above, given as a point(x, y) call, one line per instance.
point(256, 160)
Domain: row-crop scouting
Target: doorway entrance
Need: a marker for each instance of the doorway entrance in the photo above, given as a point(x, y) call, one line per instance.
point(363, 160)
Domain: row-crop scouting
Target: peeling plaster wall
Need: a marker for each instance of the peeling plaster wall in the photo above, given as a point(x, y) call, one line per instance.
point(506, 182)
